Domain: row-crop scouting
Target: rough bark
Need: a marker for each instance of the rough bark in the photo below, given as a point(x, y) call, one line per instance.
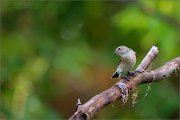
point(95, 104)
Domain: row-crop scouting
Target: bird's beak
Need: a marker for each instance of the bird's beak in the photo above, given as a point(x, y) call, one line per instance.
point(114, 53)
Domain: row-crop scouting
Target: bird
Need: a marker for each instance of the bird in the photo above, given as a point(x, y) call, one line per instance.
point(127, 61)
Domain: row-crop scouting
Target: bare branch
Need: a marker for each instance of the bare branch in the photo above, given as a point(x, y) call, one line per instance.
point(95, 104)
point(148, 59)
point(155, 75)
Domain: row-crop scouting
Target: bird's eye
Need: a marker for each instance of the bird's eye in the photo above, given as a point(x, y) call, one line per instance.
point(119, 48)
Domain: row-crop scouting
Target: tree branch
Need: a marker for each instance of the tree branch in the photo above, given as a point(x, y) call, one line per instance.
point(95, 104)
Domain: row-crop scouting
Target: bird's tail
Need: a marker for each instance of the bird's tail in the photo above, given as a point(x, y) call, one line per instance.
point(115, 75)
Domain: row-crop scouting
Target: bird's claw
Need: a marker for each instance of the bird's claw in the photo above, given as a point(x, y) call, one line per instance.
point(124, 90)
point(125, 77)
point(131, 73)
point(139, 71)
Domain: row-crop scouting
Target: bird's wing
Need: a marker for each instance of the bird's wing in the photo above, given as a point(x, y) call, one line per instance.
point(135, 54)
point(119, 61)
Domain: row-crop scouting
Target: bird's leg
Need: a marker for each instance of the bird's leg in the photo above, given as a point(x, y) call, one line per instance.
point(124, 90)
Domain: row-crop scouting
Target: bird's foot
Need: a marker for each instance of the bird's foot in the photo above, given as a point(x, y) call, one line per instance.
point(139, 71)
point(124, 90)
point(125, 77)
point(131, 73)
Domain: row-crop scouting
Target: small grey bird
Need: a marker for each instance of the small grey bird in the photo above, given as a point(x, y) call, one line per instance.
point(127, 60)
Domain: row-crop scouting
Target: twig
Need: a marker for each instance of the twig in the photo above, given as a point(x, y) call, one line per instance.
point(95, 104)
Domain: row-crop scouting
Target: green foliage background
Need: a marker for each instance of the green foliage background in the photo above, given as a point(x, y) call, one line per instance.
point(53, 52)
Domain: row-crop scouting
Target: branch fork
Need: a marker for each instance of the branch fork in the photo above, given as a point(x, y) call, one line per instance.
point(95, 104)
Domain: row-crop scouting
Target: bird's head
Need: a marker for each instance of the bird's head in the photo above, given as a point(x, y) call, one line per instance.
point(121, 51)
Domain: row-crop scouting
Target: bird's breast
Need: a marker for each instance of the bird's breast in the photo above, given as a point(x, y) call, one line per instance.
point(128, 63)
